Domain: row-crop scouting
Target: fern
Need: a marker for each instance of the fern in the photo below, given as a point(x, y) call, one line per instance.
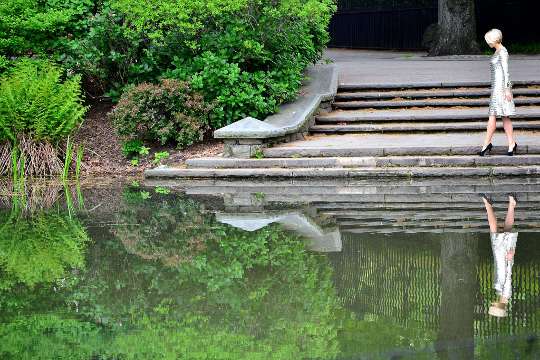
point(34, 101)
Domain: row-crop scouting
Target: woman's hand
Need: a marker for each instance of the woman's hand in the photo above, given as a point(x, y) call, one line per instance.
point(510, 254)
point(508, 94)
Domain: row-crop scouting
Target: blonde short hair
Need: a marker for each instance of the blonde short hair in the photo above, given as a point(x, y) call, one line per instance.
point(493, 36)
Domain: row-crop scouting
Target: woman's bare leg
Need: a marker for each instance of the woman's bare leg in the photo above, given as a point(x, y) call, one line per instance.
point(492, 220)
point(491, 127)
point(509, 130)
point(509, 221)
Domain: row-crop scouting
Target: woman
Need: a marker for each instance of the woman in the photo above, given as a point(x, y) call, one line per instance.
point(503, 245)
point(501, 103)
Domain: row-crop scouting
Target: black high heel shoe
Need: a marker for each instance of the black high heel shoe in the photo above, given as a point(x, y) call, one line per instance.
point(488, 198)
point(488, 148)
point(514, 196)
point(514, 150)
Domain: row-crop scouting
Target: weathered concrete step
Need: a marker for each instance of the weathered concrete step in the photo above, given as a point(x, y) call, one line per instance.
point(408, 215)
point(416, 127)
point(483, 223)
point(366, 172)
point(283, 152)
point(432, 93)
point(525, 101)
point(368, 199)
point(425, 206)
point(384, 230)
point(392, 144)
point(372, 190)
point(429, 85)
point(421, 114)
point(368, 161)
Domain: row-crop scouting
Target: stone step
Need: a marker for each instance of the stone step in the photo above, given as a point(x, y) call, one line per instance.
point(375, 144)
point(482, 223)
point(408, 215)
point(421, 206)
point(368, 199)
point(432, 93)
point(430, 85)
point(383, 230)
point(402, 127)
point(441, 102)
point(371, 190)
point(364, 172)
point(349, 162)
point(446, 115)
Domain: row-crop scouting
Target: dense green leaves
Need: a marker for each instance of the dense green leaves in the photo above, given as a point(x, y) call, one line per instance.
point(39, 249)
point(40, 27)
point(35, 101)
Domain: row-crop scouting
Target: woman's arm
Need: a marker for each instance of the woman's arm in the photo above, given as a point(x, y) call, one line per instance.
point(506, 76)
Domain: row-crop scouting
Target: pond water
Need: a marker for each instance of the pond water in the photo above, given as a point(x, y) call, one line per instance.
point(271, 270)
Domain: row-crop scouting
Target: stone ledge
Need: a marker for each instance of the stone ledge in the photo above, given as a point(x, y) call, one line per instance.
point(292, 117)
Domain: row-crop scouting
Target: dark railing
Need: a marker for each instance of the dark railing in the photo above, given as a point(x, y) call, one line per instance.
point(388, 29)
point(393, 25)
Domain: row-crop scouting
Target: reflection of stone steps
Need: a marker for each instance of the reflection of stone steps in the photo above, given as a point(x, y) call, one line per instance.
point(430, 205)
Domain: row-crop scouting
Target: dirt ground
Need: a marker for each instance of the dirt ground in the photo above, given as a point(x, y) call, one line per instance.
point(103, 149)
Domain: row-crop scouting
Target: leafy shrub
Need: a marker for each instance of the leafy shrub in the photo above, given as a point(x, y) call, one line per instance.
point(36, 102)
point(132, 147)
point(41, 27)
point(246, 54)
point(167, 112)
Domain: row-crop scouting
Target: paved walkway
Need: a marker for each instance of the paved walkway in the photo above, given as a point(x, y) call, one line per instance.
point(372, 66)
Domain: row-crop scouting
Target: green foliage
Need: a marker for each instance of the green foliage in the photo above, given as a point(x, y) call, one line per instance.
point(41, 27)
point(35, 101)
point(160, 156)
point(132, 147)
point(45, 336)
point(168, 112)
point(39, 249)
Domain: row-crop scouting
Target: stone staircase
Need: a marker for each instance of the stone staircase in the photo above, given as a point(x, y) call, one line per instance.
point(415, 109)
point(394, 130)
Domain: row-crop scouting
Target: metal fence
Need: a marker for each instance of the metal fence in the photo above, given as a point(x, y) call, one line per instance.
point(390, 24)
point(389, 29)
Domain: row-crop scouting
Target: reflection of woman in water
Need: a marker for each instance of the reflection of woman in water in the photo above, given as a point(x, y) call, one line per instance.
point(503, 245)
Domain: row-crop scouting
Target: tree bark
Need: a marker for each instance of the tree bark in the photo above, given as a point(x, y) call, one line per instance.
point(459, 258)
point(456, 30)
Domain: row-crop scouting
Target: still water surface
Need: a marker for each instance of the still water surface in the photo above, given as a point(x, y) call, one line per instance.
point(272, 270)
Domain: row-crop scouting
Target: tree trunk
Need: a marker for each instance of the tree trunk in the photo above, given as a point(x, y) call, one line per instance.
point(458, 289)
point(456, 30)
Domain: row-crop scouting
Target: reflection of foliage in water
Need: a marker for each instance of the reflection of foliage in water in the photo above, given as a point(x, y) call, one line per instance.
point(39, 248)
point(188, 287)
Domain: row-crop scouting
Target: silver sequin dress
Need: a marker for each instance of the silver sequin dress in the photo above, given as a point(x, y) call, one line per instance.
point(501, 244)
point(500, 80)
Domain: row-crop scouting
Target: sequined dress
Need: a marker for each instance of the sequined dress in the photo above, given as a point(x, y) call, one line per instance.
point(501, 244)
point(500, 80)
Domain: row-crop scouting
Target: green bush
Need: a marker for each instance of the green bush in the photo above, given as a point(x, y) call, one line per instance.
point(34, 101)
point(246, 54)
point(41, 27)
point(166, 112)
